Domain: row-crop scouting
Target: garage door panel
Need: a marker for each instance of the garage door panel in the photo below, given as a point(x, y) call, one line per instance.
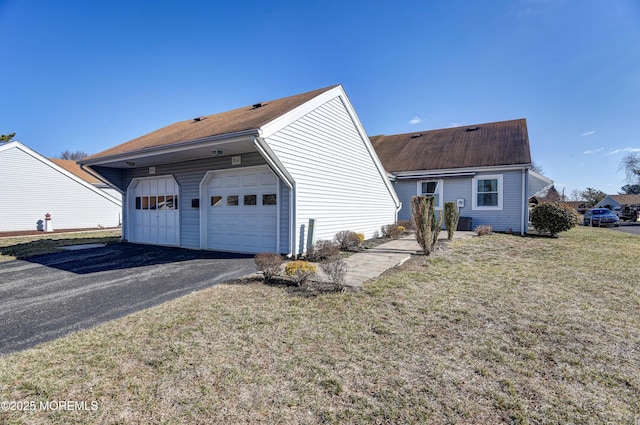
point(155, 217)
point(248, 226)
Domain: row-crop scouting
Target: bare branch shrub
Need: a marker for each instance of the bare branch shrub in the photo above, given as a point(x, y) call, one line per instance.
point(391, 231)
point(336, 270)
point(322, 250)
point(269, 264)
point(348, 240)
point(483, 230)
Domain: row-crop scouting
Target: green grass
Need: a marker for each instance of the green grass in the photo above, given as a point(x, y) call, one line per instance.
point(18, 247)
point(493, 329)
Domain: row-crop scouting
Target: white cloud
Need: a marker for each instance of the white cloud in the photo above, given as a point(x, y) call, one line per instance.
point(456, 124)
point(617, 151)
point(589, 133)
point(415, 120)
point(593, 151)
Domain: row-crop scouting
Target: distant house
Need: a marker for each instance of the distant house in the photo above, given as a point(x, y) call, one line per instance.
point(616, 201)
point(33, 186)
point(74, 168)
point(580, 206)
point(485, 168)
point(253, 179)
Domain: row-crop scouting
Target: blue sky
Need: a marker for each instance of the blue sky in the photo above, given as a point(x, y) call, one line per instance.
point(84, 75)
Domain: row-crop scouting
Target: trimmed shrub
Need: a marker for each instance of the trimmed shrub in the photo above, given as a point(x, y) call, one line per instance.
point(422, 215)
point(407, 224)
point(300, 271)
point(483, 230)
point(553, 218)
point(451, 218)
point(322, 250)
point(348, 240)
point(391, 231)
point(336, 270)
point(269, 264)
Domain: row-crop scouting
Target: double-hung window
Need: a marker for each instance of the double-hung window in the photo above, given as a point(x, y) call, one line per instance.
point(487, 192)
point(431, 188)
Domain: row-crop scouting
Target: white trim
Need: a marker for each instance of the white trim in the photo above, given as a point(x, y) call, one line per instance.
point(131, 207)
point(17, 145)
point(455, 172)
point(474, 191)
point(541, 177)
point(295, 114)
point(439, 190)
point(172, 148)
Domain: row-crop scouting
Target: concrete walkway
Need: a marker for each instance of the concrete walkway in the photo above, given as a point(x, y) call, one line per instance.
point(375, 261)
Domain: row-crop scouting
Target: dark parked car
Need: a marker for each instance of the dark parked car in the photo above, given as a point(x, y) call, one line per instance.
point(600, 217)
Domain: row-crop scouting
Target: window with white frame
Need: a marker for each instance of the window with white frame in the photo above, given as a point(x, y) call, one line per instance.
point(487, 192)
point(431, 188)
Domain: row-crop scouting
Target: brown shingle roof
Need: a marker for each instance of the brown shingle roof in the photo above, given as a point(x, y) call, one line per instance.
point(626, 199)
point(241, 119)
point(72, 167)
point(480, 145)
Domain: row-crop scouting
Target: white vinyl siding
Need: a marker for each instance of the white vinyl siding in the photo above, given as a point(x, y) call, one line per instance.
point(33, 186)
point(337, 181)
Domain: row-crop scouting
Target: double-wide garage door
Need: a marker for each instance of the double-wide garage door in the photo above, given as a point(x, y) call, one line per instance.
point(241, 208)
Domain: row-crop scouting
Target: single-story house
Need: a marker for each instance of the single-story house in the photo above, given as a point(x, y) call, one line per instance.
point(260, 178)
point(33, 186)
point(74, 168)
point(618, 201)
point(484, 168)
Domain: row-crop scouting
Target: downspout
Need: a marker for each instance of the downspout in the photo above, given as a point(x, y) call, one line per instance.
point(284, 176)
point(524, 222)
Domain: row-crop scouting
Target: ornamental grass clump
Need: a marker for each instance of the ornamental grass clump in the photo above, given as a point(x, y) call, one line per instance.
point(300, 271)
point(553, 218)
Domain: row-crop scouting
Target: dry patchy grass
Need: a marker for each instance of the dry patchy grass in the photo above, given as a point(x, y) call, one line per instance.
point(17, 247)
point(497, 329)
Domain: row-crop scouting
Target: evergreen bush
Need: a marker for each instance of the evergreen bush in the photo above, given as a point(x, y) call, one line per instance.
point(553, 218)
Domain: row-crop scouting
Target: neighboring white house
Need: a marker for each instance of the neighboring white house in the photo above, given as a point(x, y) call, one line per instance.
point(252, 179)
point(33, 186)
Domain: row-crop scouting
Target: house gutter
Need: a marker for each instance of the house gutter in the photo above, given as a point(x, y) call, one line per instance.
point(158, 150)
point(99, 177)
point(282, 173)
point(524, 223)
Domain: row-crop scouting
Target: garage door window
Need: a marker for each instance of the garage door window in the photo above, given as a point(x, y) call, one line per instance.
point(216, 201)
point(250, 199)
point(269, 199)
point(232, 200)
point(167, 202)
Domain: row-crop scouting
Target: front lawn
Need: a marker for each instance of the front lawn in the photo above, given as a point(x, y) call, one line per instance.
point(492, 329)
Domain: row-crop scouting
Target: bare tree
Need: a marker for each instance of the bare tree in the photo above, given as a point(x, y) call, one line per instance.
point(74, 156)
point(631, 165)
point(6, 138)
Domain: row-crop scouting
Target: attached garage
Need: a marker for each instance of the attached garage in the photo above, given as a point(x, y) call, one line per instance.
point(153, 211)
point(250, 180)
point(239, 210)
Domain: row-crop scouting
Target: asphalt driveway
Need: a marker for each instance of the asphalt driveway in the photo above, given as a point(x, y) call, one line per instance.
point(48, 296)
point(629, 227)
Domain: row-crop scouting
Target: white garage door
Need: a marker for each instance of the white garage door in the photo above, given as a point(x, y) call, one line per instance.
point(155, 217)
point(241, 208)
